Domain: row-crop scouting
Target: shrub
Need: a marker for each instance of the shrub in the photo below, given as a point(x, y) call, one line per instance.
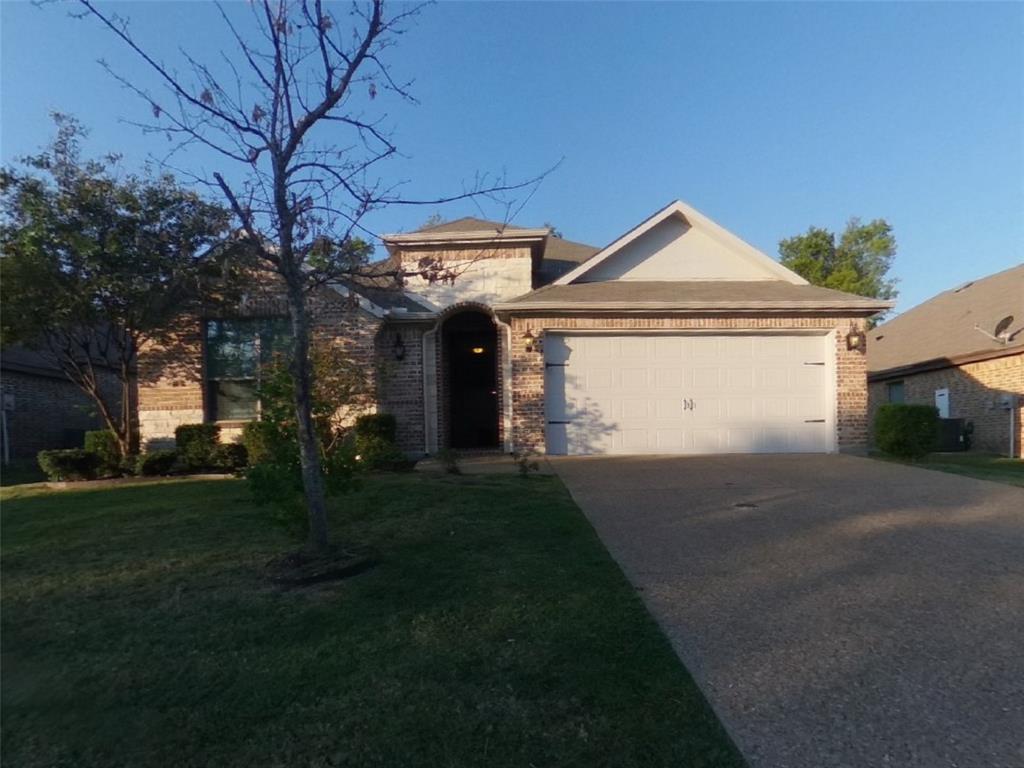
point(449, 461)
point(906, 431)
point(279, 486)
point(230, 457)
point(103, 443)
point(275, 474)
point(69, 464)
point(377, 425)
point(156, 463)
point(374, 452)
point(196, 444)
point(258, 437)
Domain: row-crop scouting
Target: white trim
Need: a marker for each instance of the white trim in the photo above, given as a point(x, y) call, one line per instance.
point(474, 236)
point(867, 305)
point(697, 220)
point(506, 382)
point(430, 410)
point(832, 387)
point(687, 331)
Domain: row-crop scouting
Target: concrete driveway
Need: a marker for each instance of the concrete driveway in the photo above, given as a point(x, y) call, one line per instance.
point(836, 611)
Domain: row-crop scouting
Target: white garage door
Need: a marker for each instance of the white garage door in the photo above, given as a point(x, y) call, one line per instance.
point(687, 394)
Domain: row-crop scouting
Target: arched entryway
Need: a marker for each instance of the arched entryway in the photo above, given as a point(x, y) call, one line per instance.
point(470, 374)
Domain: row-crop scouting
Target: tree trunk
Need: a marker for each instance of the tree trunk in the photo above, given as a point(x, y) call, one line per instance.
point(309, 449)
point(121, 428)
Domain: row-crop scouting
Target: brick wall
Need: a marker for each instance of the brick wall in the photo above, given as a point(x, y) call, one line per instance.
point(528, 420)
point(51, 412)
point(171, 391)
point(975, 392)
point(400, 383)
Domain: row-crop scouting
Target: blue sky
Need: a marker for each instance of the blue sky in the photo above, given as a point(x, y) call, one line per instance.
point(769, 118)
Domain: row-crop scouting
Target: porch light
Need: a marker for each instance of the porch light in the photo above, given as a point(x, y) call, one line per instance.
point(478, 350)
point(398, 349)
point(530, 338)
point(855, 339)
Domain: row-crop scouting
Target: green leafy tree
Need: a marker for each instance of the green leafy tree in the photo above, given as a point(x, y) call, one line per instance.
point(859, 263)
point(95, 263)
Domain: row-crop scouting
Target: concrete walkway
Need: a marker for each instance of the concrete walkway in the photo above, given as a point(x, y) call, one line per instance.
point(837, 611)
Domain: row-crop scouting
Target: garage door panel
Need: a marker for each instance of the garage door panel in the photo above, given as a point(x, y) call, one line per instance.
point(599, 378)
point(668, 348)
point(634, 378)
point(739, 378)
point(687, 393)
point(668, 378)
point(705, 378)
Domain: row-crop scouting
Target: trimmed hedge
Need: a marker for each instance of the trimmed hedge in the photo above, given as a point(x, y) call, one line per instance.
point(374, 452)
point(377, 425)
point(157, 463)
point(230, 457)
point(69, 464)
point(103, 443)
point(258, 439)
point(907, 431)
point(196, 444)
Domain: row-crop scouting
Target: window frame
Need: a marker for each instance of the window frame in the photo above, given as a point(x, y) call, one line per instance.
point(889, 385)
point(209, 395)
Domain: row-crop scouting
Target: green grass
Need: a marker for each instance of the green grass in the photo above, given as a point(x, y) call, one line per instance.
point(139, 630)
point(982, 466)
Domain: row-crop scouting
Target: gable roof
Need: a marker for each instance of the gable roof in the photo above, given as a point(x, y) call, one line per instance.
point(697, 295)
point(944, 331)
point(696, 220)
point(469, 224)
point(558, 254)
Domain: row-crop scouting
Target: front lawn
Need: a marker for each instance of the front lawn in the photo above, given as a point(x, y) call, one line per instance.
point(983, 466)
point(139, 630)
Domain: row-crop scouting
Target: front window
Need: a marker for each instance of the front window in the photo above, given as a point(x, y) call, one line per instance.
point(236, 350)
point(895, 390)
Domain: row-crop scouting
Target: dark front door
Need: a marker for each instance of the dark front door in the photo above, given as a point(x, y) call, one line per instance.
point(471, 352)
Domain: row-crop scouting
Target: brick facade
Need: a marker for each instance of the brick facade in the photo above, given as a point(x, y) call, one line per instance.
point(528, 419)
point(171, 389)
point(400, 387)
point(976, 392)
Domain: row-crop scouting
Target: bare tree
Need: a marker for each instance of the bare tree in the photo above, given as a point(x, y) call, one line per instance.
point(288, 118)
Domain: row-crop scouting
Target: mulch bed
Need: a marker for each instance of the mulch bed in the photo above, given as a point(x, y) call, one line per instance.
point(304, 568)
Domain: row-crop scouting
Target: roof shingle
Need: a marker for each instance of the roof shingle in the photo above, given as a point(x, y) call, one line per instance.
point(946, 326)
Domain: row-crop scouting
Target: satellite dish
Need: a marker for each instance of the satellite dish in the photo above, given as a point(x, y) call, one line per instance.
point(1000, 334)
point(1003, 326)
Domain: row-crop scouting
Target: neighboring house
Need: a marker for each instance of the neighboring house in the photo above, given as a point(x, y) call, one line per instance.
point(962, 351)
point(676, 338)
point(41, 408)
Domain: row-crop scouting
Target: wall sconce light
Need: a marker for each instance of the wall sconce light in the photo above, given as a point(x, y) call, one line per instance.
point(398, 349)
point(856, 339)
point(477, 350)
point(531, 340)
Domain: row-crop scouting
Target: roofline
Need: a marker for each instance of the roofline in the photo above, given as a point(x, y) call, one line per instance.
point(695, 219)
point(690, 306)
point(938, 363)
point(477, 236)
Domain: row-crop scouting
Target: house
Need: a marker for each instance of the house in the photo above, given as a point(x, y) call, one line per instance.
point(678, 337)
point(42, 409)
point(962, 351)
